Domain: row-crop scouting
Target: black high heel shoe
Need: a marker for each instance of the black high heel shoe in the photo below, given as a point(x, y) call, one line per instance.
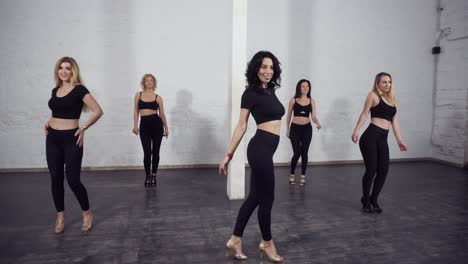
point(147, 180)
point(153, 179)
point(375, 207)
point(366, 206)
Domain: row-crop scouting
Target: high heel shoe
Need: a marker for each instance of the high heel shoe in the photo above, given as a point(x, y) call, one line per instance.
point(263, 246)
point(153, 179)
point(366, 206)
point(87, 222)
point(302, 181)
point(147, 180)
point(292, 181)
point(231, 249)
point(375, 206)
point(59, 225)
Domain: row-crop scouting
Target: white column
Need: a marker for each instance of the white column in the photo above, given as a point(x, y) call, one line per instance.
point(236, 174)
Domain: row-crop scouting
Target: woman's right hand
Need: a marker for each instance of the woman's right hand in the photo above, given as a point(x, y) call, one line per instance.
point(355, 137)
point(46, 128)
point(223, 165)
point(135, 130)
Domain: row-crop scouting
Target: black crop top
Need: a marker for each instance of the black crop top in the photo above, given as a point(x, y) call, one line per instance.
point(383, 110)
point(153, 105)
point(70, 105)
point(302, 110)
point(263, 105)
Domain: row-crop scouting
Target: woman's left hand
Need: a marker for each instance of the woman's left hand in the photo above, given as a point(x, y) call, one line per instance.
point(80, 134)
point(319, 126)
point(166, 133)
point(223, 165)
point(403, 146)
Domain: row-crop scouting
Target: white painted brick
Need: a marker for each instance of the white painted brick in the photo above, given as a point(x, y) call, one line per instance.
point(336, 44)
point(452, 95)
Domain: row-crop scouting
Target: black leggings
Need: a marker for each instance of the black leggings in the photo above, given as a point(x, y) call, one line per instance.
point(61, 149)
point(262, 183)
point(374, 149)
point(151, 133)
point(300, 136)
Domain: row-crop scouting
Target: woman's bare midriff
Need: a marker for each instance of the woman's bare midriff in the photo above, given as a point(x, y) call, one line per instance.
point(301, 120)
point(146, 112)
point(271, 126)
point(382, 123)
point(63, 124)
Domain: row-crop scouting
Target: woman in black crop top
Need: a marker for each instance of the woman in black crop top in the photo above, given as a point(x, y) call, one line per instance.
point(302, 106)
point(153, 126)
point(259, 99)
point(64, 137)
point(373, 143)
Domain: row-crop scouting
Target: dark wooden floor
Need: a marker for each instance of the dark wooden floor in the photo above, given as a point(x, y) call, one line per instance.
point(188, 218)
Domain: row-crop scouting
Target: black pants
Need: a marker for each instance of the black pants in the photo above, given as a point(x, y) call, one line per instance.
point(262, 183)
point(374, 149)
point(300, 136)
point(151, 133)
point(61, 150)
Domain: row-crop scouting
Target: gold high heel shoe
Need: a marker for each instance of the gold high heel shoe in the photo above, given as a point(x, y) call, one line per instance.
point(262, 246)
point(292, 180)
point(87, 222)
point(231, 250)
point(59, 225)
point(302, 181)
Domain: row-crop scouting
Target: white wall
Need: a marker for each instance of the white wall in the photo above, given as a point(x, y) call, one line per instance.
point(185, 43)
point(451, 116)
point(338, 45)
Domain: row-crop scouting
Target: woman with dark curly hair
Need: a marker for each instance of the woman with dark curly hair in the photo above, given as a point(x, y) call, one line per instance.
point(300, 131)
point(263, 77)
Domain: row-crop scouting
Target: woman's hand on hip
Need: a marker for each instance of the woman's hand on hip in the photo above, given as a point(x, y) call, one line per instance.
point(80, 134)
point(46, 128)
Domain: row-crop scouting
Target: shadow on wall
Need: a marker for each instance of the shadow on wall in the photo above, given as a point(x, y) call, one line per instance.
point(338, 127)
point(194, 140)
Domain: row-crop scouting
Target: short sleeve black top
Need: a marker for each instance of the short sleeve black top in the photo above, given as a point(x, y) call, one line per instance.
point(263, 105)
point(70, 105)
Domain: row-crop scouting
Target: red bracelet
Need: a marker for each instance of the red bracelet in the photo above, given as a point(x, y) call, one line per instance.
point(229, 155)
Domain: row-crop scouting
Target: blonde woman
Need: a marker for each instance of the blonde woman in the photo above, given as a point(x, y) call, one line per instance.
point(373, 144)
point(153, 125)
point(64, 137)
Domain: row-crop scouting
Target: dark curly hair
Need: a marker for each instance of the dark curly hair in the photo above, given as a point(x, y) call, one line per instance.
point(298, 88)
point(253, 82)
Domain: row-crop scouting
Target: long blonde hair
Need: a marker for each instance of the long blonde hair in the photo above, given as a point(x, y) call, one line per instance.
point(142, 83)
point(75, 77)
point(389, 97)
